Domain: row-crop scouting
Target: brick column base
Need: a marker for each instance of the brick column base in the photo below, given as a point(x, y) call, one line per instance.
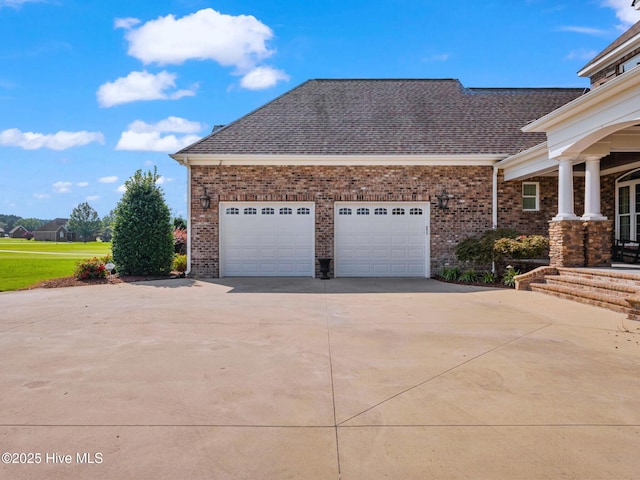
point(566, 243)
point(598, 242)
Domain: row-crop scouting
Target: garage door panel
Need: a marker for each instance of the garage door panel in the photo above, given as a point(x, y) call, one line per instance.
point(380, 245)
point(275, 241)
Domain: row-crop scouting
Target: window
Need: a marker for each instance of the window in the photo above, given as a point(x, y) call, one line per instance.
point(397, 211)
point(304, 211)
point(362, 211)
point(250, 211)
point(415, 211)
point(268, 211)
point(286, 211)
point(530, 196)
point(628, 206)
point(233, 211)
point(344, 211)
point(380, 211)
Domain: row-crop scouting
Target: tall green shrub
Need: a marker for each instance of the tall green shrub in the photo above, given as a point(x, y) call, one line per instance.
point(142, 241)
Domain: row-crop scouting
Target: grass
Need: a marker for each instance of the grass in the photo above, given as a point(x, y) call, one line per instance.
point(24, 263)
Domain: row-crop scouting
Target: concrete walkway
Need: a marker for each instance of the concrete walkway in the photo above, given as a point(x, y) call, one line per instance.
point(309, 379)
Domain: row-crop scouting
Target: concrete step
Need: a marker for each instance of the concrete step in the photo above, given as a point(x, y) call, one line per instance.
point(615, 302)
point(604, 285)
point(604, 275)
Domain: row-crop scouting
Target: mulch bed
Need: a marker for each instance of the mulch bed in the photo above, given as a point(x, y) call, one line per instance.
point(74, 282)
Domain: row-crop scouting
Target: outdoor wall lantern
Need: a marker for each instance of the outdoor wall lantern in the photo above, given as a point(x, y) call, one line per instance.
point(443, 199)
point(205, 200)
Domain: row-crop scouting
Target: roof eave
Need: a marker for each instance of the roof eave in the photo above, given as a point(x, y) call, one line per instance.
point(584, 102)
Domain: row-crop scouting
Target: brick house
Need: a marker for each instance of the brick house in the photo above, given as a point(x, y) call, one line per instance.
point(55, 231)
point(359, 170)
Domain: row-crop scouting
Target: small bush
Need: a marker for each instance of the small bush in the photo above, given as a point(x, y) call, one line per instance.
point(180, 241)
point(468, 276)
point(88, 269)
point(479, 250)
point(524, 246)
point(509, 276)
point(180, 263)
point(450, 274)
point(488, 277)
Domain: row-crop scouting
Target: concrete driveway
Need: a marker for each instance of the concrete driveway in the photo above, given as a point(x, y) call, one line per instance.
point(310, 379)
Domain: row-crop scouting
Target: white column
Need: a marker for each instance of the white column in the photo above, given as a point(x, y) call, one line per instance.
point(565, 191)
point(592, 190)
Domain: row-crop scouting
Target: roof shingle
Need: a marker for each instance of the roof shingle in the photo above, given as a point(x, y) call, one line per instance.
point(388, 117)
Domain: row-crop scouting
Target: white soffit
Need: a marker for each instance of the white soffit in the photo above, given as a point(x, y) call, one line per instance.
point(607, 109)
point(340, 160)
point(529, 163)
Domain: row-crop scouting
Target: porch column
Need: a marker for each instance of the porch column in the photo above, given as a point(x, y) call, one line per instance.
point(592, 189)
point(565, 191)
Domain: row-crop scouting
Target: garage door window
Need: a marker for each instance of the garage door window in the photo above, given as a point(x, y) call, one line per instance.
point(268, 211)
point(363, 211)
point(344, 211)
point(286, 211)
point(380, 211)
point(415, 211)
point(233, 211)
point(250, 211)
point(398, 211)
point(304, 211)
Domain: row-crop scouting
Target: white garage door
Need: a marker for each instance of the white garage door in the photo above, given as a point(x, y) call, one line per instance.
point(381, 239)
point(267, 239)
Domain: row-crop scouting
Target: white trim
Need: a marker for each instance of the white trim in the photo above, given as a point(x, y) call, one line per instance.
point(585, 102)
point(329, 160)
point(536, 196)
point(189, 222)
point(619, 52)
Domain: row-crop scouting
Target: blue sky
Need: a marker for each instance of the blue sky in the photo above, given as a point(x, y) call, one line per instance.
point(93, 90)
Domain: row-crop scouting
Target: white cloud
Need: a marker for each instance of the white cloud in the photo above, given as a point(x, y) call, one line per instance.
point(82, 184)
point(437, 57)
point(41, 196)
point(17, 3)
point(232, 41)
point(62, 187)
point(581, 54)
point(586, 30)
point(121, 189)
point(238, 41)
point(625, 13)
point(112, 179)
point(142, 136)
point(55, 141)
point(141, 86)
point(262, 77)
point(126, 23)
point(91, 198)
point(162, 180)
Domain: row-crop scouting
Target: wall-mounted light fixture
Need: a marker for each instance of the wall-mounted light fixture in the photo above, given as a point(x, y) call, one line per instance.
point(443, 199)
point(205, 200)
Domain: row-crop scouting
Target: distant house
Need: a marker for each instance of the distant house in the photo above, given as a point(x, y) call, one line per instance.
point(1, 232)
point(55, 231)
point(17, 232)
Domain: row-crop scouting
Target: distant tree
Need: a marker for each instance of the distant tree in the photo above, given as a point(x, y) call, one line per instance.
point(142, 232)
point(179, 223)
point(31, 224)
point(8, 221)
point(106, 232)
point(84, 221)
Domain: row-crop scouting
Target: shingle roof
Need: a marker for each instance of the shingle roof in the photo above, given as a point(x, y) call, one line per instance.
point(632, 32)
point(388, 117)
point(53, 225)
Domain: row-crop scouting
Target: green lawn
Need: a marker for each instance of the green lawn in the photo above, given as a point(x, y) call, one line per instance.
point(23, 263)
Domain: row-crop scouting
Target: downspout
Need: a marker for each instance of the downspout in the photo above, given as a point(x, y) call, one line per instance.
point(494, 202)
point(186, 163)
point(494, 206)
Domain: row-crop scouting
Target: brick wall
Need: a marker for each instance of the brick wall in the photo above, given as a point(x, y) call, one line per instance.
point(469, 211)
